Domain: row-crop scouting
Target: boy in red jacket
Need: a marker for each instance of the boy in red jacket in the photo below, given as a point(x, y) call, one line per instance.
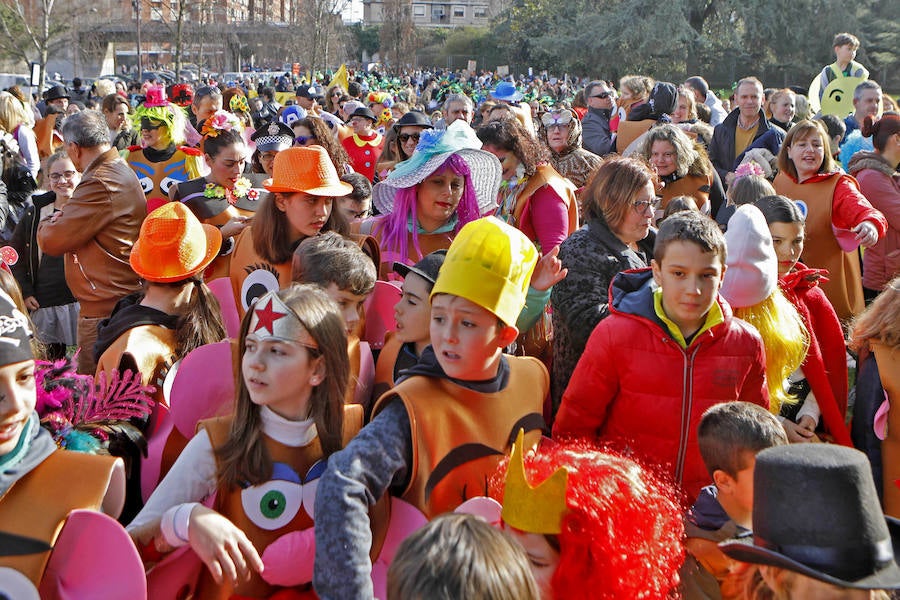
point(669, 350)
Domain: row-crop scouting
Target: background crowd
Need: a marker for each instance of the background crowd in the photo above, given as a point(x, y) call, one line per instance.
point(294, 334)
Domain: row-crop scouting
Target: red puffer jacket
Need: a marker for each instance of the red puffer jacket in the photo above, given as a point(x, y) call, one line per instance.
point(636, 388)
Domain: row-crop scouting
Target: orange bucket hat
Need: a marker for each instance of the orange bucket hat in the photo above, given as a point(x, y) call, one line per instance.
point(174, 245)
point(307, 170)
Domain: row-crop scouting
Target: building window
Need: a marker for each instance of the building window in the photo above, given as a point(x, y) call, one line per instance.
point(459, 12)
point(418, 10)
point(156, 10)
point(480, 12)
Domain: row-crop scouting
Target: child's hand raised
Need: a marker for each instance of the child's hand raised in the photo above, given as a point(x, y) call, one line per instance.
point(548, 271)
point(223, 547)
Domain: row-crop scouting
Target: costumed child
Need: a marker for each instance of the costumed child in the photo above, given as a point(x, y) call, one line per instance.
point(175, 313)
point(224, 197)
point(426, 200)
point(261, 463)
point(701, 355)
point(821, 390)
point(595, 524)
point(338, 266)
point(412, 315)
point(436, 437)
point(162, 160)
point(730, 436)
point(301, 205)
point(751, 287)
point(41, 485)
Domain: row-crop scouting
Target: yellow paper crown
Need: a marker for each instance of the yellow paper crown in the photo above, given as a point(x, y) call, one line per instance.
point(538, 509)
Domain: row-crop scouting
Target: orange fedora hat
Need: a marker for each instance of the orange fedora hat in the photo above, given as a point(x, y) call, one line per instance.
point(174, 245)
point(307, 170)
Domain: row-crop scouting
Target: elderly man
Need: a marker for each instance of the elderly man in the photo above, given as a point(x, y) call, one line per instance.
point(744, 128)
point(866, 101)
point(457, 106)
point(96, 228)
point(601, 102)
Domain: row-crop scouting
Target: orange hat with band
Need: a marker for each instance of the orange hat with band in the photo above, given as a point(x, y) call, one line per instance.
point(307, 170)
point(174, 245)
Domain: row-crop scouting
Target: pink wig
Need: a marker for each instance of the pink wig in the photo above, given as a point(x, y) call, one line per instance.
point(396, 224)
point(622, 532)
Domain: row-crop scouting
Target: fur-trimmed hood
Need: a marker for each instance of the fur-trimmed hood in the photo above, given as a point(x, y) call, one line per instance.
point(871, 160)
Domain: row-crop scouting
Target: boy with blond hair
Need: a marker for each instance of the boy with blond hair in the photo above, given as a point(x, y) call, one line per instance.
point(438, 434)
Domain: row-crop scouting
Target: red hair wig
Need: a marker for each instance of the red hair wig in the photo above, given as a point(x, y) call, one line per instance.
point(622, 532)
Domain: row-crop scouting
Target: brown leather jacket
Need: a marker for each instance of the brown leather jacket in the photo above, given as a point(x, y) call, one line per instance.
point(95, 230)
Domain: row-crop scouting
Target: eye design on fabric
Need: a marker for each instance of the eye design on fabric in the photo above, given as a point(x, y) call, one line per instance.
point(146, 184)
point(275, 503)
point(166, 184)
point(261, 278)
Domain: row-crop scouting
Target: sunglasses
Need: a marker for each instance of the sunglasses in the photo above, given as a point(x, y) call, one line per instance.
point(602, 95)
point(559, 118)
point(301, 140)
point(405, 137)
point(148, 124)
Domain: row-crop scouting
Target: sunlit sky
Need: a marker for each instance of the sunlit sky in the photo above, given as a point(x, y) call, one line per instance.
point(354, 12)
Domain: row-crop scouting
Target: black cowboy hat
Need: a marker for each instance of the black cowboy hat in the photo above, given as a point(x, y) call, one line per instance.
point(414, 118)
point(816, 512)
point(55, 93)
point(363, 111)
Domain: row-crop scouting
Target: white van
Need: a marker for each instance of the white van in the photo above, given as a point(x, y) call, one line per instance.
point(8, 80)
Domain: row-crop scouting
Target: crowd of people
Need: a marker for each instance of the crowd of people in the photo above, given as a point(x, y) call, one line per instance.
point(450, 335)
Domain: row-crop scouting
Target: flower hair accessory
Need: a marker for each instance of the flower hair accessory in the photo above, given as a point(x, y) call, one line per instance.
point(221, 120)
point(748, 168)
point(239, 103)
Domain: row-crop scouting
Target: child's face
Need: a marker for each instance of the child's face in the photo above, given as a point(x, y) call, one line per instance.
point(306, 214)
point(280, 374)
point(17, 400)
point(788, 239)
point(690, 279)
point(351, 305)
point(465, 338)
point(413, 311)
point(541, 556)
point(844, 53)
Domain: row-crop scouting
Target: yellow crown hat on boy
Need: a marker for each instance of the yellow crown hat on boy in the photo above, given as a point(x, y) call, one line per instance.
point(489, 263)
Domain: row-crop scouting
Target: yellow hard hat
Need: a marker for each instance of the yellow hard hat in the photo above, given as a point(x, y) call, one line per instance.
point(489, 263)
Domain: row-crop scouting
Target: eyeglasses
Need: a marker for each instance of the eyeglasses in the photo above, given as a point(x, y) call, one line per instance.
point(67, 175)
point(602, 95)
point(641, 206)
point(405, 137)
point(301, 140)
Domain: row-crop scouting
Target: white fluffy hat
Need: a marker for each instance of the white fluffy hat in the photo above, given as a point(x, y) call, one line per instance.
point(752, 264)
